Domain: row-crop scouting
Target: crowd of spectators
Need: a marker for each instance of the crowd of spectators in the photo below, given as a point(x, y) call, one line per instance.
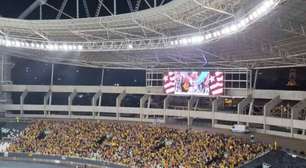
point(282, 111)
point(136, 144)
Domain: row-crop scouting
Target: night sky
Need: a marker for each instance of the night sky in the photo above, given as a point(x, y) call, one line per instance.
point(13, 8)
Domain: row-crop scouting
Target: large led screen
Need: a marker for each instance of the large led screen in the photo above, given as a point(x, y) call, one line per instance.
point(194, 83)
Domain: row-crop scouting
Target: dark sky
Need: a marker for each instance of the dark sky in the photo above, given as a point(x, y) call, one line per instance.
point(13, 8)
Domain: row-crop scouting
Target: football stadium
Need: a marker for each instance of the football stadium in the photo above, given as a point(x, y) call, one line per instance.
point(152, 84)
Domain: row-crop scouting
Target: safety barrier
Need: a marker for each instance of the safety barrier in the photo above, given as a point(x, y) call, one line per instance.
point(58, 160)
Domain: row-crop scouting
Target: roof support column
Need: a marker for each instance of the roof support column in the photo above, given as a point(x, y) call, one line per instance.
point(46, 100)
point(166, 105)
point(94, 100)
point(295, 110)
point(119, 99)
point(70, 100)
point(148, 106)
point(267, 110)
point(115, 7)
point(242, 106)
point(22, 97)
point(77, 9)
point(143, 100)
point(251, 109)
point(191, 102)
point(214, 110)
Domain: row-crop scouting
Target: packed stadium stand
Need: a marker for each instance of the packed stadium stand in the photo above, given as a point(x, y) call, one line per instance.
point(152, 83)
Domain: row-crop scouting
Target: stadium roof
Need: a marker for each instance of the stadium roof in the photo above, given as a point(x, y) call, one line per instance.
point(144, 39)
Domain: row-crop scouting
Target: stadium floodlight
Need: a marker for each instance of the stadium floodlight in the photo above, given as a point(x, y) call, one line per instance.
point(65, 47)
point(216, 33)
point(13, 43)
point(225, 30)
point(60, 47)
point(74, 47)
point(243, 23)
point(251, 17)
point(50, 47)
point(268, 4)
point(208, 36)
point(26, 44)
point(69, 47)
point(80, 47)
point(55, 46)
point(197, 39)
point(234, 28)
point(261, 10)
point(255, 14)
point(189, 40)
point(183, 41)
point(8, 43)
point(17, 44)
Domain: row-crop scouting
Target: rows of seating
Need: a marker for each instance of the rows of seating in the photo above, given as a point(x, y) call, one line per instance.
point(136, 144)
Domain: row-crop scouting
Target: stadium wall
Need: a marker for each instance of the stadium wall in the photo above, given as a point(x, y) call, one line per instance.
point(145, 113)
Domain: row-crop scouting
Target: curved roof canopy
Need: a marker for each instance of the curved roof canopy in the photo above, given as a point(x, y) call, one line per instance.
point(179, 34)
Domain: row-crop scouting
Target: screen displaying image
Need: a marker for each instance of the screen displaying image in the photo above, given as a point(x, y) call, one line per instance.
point(194, 83)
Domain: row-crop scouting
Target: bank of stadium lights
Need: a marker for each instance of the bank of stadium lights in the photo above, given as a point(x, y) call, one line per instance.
point(42, 46)
point(234, 27)
point(197, 39)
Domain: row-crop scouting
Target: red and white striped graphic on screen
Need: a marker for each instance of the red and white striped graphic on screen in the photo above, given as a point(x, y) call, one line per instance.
point(169, 83)
point(216, 83)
